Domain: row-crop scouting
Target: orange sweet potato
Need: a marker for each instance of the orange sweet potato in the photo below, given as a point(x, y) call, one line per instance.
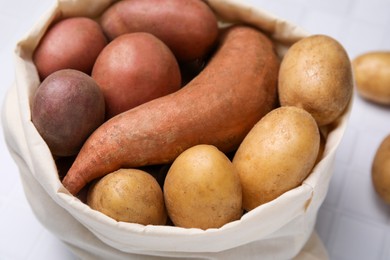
point(218, 107)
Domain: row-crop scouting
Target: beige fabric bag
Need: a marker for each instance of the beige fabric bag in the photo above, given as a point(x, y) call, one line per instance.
point(276, 230)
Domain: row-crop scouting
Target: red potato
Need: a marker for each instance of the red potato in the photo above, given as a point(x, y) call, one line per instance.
point(72, 43)
point(135, 68)
point(218, 107)
point(188, 27)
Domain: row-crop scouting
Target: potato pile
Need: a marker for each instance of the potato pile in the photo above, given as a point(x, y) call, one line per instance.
point(199, 124)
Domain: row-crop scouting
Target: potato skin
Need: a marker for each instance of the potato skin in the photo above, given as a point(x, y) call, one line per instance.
point(129, 195)
point(380, 171)
point(372, 76)
point(316, 74)
point(276, 155)
point(238, 80)
point(72, 43)
point(135, 68)
point(202, 189)
point(67, 107)
point(188, 27)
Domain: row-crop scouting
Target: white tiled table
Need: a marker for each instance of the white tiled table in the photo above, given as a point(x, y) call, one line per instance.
point(353, 223)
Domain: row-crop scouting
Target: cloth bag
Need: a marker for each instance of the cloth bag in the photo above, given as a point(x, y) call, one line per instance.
point(280, 229)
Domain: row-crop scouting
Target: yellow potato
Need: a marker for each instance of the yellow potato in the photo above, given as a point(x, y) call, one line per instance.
point(129, 195)
point(321, 149)
point(372, 76)
point(316, 74)
point(276, 155)
point(381, 170)
point(202, 189)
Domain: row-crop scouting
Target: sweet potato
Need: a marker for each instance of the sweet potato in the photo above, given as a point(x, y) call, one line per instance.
point(218, 107)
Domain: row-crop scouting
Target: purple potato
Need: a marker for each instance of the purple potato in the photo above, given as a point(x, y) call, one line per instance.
point(67, 107)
